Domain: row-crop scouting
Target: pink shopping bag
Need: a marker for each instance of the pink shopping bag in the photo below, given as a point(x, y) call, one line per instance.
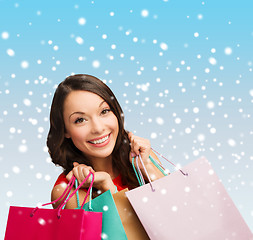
point(190, 207)
point(54, 224)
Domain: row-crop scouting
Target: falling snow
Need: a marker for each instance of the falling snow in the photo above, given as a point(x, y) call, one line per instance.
point(10, 52)
point(82, 21)
point(164, 46)
point(5, 35)
point(144, 13)
point(79, 40)
point(24, 64)
point(228, 51)
point(180, 83)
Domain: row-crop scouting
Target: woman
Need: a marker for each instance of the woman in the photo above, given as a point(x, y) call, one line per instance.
point(87, 134)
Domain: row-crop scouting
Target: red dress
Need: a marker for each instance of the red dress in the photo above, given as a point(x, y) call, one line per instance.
point(117, 182)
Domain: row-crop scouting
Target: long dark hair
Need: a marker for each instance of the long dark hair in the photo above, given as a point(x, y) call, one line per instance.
point(62, 150)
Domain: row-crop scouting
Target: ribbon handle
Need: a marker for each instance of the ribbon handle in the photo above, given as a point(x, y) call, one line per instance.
point(159, 166)
point(64, 196)
point(139, 173)
point(74, 192)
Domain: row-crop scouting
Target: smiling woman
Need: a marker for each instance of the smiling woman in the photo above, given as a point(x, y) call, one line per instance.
point(90, 125)
point(87, 134)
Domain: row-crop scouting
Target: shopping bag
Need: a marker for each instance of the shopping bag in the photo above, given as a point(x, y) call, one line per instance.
point(112, 227)
point(192, 206)
point(132, 225)
point(53, 224)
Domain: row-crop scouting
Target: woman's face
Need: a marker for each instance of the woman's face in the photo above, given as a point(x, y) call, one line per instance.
point(90, 123)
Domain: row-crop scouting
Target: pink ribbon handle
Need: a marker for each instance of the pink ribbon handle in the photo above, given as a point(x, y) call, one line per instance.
point(74, 192)
point(66, 193)
point(68, 189)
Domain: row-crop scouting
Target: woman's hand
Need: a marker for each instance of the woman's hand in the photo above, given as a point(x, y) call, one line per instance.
point(102, 180)
point(80, 171)
point(141, 146)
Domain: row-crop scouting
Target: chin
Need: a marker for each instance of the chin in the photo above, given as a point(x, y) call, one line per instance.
point(103, 154)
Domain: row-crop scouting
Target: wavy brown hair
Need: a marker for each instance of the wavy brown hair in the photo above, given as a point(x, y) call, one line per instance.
point(62, 150)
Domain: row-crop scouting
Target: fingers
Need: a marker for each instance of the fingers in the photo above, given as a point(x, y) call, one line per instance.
point(139, 146)
point(75, 164)
point(80, 171)
point(131, 139)
point(69, 176)
point(130, 134)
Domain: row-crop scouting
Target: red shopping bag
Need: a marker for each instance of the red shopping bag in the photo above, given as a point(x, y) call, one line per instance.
point(196, 206)
point(54, 224)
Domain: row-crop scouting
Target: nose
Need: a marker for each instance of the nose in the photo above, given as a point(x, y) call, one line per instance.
point(97, 125)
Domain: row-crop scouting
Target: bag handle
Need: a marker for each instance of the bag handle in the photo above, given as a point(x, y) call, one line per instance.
point(74, 192)
point(78, 201)
point(77, 197)
point(67, 189)
point(66, 195)
point(90, 200)
point(138, 172)
point(160, 166)
point(77, 194)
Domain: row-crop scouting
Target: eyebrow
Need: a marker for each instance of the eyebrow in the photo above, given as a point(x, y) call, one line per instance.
point(84, 112)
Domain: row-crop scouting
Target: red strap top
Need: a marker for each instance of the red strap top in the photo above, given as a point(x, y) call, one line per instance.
point(117, 181)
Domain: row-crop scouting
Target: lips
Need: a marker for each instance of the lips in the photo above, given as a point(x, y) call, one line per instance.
point(100, 140)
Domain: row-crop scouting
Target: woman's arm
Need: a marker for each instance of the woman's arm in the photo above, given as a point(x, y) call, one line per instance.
point(102, 182)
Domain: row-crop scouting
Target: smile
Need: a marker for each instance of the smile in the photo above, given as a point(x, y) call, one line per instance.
point(101, 140)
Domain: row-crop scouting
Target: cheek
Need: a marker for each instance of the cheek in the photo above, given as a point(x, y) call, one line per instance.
point(114, 123)
point(77, 134)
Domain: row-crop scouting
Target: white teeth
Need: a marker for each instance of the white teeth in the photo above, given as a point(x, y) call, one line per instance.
point(100, 140)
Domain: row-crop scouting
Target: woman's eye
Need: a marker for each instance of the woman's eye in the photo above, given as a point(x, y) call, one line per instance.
point(104, 111)
point(79, 120)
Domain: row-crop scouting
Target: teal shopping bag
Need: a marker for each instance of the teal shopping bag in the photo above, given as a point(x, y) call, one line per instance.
point(112, 228)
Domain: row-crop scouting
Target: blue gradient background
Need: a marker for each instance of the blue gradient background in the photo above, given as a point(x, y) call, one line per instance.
point(165, 93)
